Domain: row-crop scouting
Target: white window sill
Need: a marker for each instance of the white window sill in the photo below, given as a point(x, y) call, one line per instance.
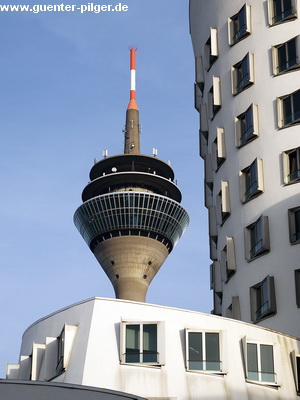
point(266, 384)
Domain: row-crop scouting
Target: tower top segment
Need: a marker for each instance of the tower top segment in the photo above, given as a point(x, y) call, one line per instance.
point(131, 217)
point(132, 127)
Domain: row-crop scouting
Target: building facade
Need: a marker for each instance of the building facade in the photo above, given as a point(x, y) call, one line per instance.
point(157, 352)
point(247, 92)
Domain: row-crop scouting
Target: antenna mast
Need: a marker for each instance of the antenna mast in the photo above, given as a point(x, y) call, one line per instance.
point(132, 128)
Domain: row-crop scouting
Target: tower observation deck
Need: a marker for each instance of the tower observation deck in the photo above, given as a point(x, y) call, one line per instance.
point(131, 217)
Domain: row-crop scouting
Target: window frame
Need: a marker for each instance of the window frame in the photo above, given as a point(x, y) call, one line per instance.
point(211, 49)
point(245, 135)
point(240, 83)
point(294, 226)
point(233, 35)
point(214, 97)
point(286, 162)
point(282, 118)
point(223, 203)
point(159, 349)
point(263, 299)
point(285, 46)
point(297, 286)
point(245, 342)
point(250, 176)
point(204, 352)
point(219, 149)
point(295, 360)
point(261, 237)
point(228, 261)
point(289, 17)
point(199, 73)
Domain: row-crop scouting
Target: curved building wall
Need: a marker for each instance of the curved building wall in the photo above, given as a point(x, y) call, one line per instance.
point(246, 91)
point(159, 352)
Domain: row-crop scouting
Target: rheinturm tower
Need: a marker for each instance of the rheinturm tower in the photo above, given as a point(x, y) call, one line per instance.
point(131, 217)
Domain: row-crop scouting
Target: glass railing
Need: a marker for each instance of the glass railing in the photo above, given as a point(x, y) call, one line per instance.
point(125, 211)
point(204, 365)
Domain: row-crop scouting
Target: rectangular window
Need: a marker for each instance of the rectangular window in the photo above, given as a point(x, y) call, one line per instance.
point(246, 126)
point(257, 238)
point(203, 351)
point(281, 10)
point(260, 363)
point(60, 352)
point(291, 165)
point(294, 225)
point(140, 344)
point(251, 181)
point(239, 25)
point(214, 97)
point(297, 286)
point(223, 202)
point(295, 359)
point(288, 109)
point(262, 299)
point(228, 264)
point(286, 56)
point(199, 73)
point(218, 149)
point(242, 74)
point(211, 48)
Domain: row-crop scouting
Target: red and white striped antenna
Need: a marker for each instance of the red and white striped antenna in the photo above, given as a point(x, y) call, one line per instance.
point(132, 102)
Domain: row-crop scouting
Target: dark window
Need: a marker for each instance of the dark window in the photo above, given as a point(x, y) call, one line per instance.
point(294, 165)
point(257, 238)
point(204, 351)
point(297, 286)
point(286, 56)
point(294, 225)
point(246, 126)
point(291, 108)
point(260, 362)
point(242, 74)
point(141, 343)
point(281, 10)
point(262, 298)
point(60, 353)
point(239, 25)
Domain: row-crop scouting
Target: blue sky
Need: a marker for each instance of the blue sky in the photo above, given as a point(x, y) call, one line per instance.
point(64, 93)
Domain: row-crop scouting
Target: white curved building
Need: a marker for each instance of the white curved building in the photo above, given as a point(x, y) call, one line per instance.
point(155, 352)
point(247, 92)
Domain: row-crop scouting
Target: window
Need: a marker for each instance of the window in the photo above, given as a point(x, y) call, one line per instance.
point(218, 149)
point(211, 48)
point(291, 165)
point(260, 363)
point(228, 265)
point(214, 97)
point(199, 75)
point(242, 74)
point(297, 286)
point(60, 352)
point(251, 181)
point(262, 299)
point(294, 225)
point(140, 345)
point(203, 351)
point(239, 25)
point(223, 202)
point(257, 238)
point(286, 56)
point(246, 126)
point(281, 10)
point(295, 359)
point(288, 109)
